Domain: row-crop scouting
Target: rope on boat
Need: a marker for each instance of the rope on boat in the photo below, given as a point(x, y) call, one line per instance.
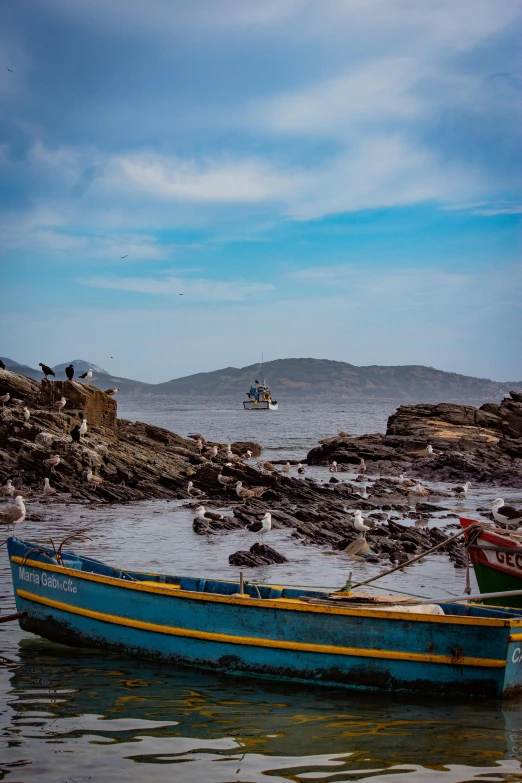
point(348, 587)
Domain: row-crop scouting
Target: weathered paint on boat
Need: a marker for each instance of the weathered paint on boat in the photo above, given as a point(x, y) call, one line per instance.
point(469, 651)
point(495, 570)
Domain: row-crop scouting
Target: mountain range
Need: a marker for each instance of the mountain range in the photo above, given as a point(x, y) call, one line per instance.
point(304, 378)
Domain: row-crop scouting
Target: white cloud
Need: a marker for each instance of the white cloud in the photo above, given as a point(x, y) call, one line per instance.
point(193, 289)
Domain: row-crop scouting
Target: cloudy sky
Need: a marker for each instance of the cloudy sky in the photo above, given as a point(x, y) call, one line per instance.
point(328, 178)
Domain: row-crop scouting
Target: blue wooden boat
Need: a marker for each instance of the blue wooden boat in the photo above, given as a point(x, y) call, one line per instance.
point(268, 631)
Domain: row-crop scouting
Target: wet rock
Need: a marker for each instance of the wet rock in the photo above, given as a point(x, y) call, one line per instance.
point(258, 554)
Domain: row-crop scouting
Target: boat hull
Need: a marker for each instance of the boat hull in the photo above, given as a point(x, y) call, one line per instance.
point(496, 569)
point(282, 638)
point(262, 405)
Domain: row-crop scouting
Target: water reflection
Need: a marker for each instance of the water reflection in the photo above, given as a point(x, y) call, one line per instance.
point(109, 719)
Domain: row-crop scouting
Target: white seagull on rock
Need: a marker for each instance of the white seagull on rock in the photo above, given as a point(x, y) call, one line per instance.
point(87, 375)
point(193, 491)
point(52, 462)
point(461, 491)
point(48, 490)
point(358, 523)
point(59, 404)
point(13, 515)
point(83, 428)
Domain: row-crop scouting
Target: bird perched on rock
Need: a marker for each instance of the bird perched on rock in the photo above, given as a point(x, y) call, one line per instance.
point(193, 491)
point(83, 427)
point(300, 468)
point(506, 515)
point(93, 479)
point(48, 490)
point(5, 398)
point(359, 524)
point(286, 468)
point(259, 491)
point(247, 455)
point(87, 375)
point(429, 450)
point(226, 481)
point(199, 445)
point(406, 482)
point(243, 492)
point(419, 490)
point(342, 433)
point(111, 392)
point(7, 489)
point(45, 438)
point(333, 467)
point(59, 404)
point(27, 414)
point(75, 433)
point(46, 370)
point(362, 467)
point(69, 371)
point(268, 466)
point(211, 453)
point(198, 436)
point(52, 462)
point(461, 491)
point(15, 514)
point(208, 516)
point(261, 526)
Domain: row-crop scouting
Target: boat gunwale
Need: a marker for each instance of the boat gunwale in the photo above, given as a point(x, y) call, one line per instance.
point(288, 604)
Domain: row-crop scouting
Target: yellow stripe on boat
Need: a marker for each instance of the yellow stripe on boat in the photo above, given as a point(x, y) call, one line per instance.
point(254, 641)
point(287, 604)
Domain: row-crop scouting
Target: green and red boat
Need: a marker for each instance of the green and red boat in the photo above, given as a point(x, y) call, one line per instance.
point(496, 556)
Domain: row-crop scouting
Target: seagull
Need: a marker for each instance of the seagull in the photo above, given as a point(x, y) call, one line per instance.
point(243, 492)
point(124, 256)
point(261, 526)
point(7, 489)
point(362, 467)
point(418, 489)
point(93, 479)
point(59, 404)
point(259, 491)
point(45, 438)
point(27, 414)
point(358, 523)
point(13, 515)
point(111, 392)
point(286, 468)
point(83, 428)
point(429, 450)
point(87, 375)
point(226, 481)
point(10, 71)
point(211, 453)
point(229, 454)
point(52, 462)
point(5, 398)
point(69, 371)
point(48, 490)
point(406, 482)
point(208, 516)
point(269, 467)
point(333, 467)
point(199, 445)
point(193, 491)
point(506, 515)
point(342, 433)
point(461, 491)
point(46, 370)
point(300, 468)
point(247, 455)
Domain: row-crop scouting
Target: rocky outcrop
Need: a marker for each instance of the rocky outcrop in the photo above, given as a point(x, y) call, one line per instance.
point(483, 444)
point(81, 399)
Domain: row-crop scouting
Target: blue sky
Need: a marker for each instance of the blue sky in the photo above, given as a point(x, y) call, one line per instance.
point(337, 179)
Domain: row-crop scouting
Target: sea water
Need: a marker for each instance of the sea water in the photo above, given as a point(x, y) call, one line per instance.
point(80, 715)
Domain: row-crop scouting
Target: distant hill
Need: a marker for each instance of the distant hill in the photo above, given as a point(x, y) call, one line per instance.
point(290, 378)
point(308, 377)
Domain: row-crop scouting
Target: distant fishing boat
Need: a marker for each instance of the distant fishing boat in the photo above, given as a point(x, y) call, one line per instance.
point(497, 560)
point(259, 395)
point(260, 398)
point(342, 639)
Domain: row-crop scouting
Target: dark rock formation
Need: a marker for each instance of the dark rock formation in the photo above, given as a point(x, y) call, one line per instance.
point(258, 554)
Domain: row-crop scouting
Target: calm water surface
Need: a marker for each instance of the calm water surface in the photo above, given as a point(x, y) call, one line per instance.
point(80, 715)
